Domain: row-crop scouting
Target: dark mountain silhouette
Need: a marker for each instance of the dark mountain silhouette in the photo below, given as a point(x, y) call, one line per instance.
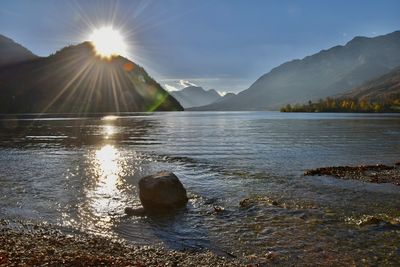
point(326, 73)
point(75, 80)
point(377, 90)
point(12, 52)
point(194, 96)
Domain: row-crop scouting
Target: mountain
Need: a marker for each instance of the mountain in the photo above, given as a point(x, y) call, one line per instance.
point(193, 96)
point(377, 90)
point(12, 52)
point(75, 80)
point(226, 96)
point(326, 73)
point(378, 95)
point(215, 103)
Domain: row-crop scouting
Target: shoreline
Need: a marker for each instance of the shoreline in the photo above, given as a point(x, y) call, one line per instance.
point(29, 244)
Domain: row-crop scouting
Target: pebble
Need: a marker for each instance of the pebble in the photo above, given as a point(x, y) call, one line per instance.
point(24, 244)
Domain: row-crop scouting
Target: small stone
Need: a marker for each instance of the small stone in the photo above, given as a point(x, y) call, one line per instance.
point(270, 255)
point(218, 208)
point(245, 202)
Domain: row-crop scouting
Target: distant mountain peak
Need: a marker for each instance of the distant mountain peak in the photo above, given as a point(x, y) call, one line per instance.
point(194, 96)
point(5, 39)
point(12, 52)
point(357, 40)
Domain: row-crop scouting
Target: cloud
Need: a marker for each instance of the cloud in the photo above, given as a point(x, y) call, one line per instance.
point(186, 83)
point(170, 88)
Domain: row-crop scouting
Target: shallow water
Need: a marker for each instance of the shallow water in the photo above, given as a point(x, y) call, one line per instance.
point(83, 172)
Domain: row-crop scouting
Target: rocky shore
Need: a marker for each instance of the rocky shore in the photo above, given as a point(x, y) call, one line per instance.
point(28, 244)
point(378, 173)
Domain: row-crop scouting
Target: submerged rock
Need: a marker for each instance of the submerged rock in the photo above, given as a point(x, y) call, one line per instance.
point(246, 202)
point(218, 208)
point(382, 223)
point(162, 192)
point(378, 173)
point(370, 220)
point(340, 171)
point(135, 212)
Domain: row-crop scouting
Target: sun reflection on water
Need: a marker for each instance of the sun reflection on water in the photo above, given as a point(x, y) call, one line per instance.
point(109, 118)
point(107, 168)
point(106, 192)
point(108, 130)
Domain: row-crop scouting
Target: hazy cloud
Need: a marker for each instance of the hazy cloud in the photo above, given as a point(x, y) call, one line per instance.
point(222, 84)
point(170, 88)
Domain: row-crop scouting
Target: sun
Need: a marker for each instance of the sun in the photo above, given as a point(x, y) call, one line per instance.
point(108, 42)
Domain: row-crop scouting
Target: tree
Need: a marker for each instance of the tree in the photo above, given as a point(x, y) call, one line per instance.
point(383, 104)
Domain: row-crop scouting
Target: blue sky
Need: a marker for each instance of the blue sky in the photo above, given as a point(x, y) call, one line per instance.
point(224, 44)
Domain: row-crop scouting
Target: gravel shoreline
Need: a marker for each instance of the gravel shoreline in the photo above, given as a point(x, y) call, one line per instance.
point(28, 244)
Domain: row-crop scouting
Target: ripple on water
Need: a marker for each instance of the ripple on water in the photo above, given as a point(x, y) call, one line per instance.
point(83, 173)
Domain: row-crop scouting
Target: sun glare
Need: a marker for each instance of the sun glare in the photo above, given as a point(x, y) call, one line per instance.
point(108, 42)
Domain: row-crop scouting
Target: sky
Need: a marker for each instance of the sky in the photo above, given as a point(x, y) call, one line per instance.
point(220, 44)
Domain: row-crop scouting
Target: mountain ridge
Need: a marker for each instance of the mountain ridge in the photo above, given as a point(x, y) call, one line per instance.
point(375, 90)
point(194, 96)
point(11, 52)
point(76, 80)
point(381, 94)
point(328, 72)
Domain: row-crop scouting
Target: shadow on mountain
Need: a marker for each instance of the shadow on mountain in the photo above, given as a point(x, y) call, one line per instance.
point(75, 80)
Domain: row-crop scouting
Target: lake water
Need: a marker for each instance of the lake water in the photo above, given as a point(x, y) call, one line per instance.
point(82, 172)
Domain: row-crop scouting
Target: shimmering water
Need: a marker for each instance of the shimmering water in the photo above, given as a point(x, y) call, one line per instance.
point(83, 172)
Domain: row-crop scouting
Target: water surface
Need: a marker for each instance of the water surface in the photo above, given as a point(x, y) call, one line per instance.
point(83, 172)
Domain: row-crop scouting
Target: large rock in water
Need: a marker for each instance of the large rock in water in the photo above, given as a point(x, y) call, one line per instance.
point(162, 192)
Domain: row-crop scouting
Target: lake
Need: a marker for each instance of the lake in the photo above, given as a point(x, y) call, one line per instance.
point(80, 173)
